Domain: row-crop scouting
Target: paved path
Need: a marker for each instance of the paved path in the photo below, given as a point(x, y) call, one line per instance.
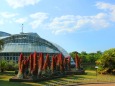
point(108, 84)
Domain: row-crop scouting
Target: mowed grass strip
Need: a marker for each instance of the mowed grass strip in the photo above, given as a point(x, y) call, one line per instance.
point(89, 77)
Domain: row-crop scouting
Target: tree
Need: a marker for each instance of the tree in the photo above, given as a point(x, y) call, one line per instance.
point(99, 52)
point(73, 54)
point(1, 44)
point(92, 57)
point(106, 62)
point(83, 53)
point(3, 64)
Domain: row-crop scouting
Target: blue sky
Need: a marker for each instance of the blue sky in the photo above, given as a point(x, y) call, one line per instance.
point(75, 25)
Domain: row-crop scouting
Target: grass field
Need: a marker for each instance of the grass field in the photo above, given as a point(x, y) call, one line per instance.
point(90, 77)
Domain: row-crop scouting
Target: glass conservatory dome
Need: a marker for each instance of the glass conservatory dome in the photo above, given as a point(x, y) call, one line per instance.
point(29, 42)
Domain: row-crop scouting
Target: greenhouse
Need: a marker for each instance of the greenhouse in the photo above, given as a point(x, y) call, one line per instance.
point(27, 43)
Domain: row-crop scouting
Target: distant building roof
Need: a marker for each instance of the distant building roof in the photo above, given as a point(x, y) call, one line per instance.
point(4, 34)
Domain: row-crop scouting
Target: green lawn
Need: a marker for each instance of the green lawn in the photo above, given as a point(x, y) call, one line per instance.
point(90, 77)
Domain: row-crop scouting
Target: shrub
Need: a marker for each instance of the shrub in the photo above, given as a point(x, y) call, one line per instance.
point(106, 62)
point(3, 64)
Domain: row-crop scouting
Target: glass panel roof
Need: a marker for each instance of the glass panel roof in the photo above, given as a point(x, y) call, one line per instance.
point(30, 42)
point(27, 47)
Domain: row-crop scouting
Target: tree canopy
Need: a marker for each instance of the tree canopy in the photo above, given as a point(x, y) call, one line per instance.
point(106, 62)
point(87, 57)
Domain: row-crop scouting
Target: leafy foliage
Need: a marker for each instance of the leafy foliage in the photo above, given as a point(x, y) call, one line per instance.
point(7, 65)
point(3, 64)
point(106, 62)
point(87, 58)
point(11, 66)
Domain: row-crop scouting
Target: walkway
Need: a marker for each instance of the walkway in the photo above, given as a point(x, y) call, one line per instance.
point(104, 84)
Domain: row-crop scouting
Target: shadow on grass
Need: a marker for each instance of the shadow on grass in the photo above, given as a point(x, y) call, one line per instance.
point(7, 83)
point(5, 76)
point(43, 83)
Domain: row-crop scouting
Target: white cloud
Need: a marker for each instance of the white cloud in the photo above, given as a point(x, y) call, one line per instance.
point(99, 21)
point(103, 5)
point(21, 3)
point(38, 19)
point(1, 22)
point(21, 20)
point(8, 15)
point(63, 24)
point(71, 23)
point(109, 8)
